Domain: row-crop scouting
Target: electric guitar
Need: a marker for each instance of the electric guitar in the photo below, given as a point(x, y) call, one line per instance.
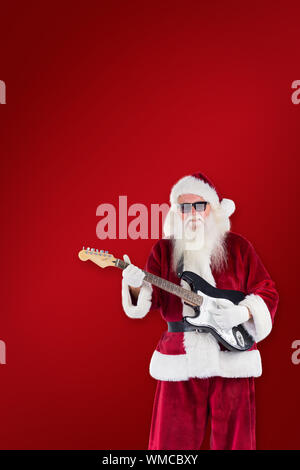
point(201, 296)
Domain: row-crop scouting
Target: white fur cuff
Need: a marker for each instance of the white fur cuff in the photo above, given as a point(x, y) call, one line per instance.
point(260, 325)
point(143, 305)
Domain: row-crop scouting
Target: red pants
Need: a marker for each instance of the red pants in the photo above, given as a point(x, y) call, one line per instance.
point(181, 411)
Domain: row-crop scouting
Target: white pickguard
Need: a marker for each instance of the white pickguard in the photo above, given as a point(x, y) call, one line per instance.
point(205, 318)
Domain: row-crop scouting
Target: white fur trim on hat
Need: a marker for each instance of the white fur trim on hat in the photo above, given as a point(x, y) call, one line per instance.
point(192, 185)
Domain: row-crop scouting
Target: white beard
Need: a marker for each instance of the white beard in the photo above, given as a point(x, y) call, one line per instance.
point(204, 248)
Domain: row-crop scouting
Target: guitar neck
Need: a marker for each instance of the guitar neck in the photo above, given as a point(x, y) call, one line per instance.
point(188, 296)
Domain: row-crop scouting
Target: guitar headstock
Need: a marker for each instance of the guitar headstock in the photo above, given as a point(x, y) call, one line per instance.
point(100, 257)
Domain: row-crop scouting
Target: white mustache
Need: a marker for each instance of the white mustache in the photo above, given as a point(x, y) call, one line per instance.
point(198, 218)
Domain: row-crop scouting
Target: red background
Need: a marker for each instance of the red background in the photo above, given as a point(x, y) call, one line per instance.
point(124, 98)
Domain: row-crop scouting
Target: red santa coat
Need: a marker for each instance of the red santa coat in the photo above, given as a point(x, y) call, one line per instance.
point(180, 356)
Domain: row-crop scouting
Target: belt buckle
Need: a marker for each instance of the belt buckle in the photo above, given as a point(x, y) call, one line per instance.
point(198, 330)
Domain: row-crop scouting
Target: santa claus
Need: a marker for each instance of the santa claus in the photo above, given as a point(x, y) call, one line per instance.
point(197, 377)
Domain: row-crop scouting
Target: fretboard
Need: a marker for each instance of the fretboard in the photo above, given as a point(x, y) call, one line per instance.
point(188, 296)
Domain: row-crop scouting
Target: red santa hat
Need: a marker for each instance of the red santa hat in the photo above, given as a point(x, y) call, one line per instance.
point(198, 183)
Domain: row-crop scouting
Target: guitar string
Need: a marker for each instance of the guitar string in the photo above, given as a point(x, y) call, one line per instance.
point(165, 285)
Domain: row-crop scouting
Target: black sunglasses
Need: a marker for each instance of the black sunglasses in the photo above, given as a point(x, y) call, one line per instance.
point(199, 206)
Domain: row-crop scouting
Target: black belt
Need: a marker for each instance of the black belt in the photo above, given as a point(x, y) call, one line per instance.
point(181, 326)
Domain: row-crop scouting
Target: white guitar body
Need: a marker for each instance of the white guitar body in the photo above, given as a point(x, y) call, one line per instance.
point(205, 322)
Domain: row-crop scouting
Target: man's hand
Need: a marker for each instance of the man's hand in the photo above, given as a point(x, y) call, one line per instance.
point(227, 314)
point(132, 275)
